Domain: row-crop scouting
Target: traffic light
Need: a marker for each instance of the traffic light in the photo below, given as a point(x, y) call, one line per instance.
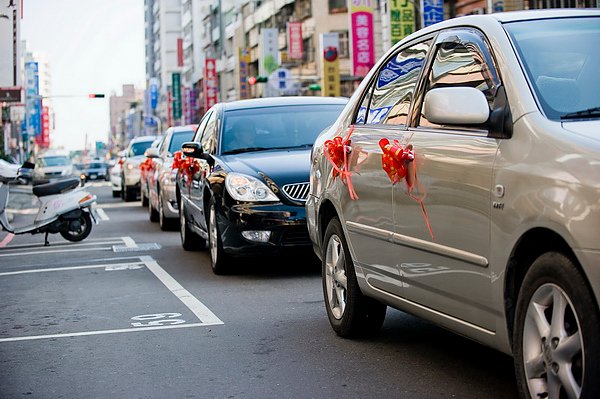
point(252, 80)
point(95, 95)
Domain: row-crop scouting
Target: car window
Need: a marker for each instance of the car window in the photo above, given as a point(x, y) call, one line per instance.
point(208, 140)
point(139, 148)
point(201, 127)
point(178, 138)
point(561, 59)
point(55, 161)
point(277, 127)
point(393, 89)
point(160, 143)
point(463, 63)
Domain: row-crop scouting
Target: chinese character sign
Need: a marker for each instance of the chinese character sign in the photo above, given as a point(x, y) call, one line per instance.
point(330, 44)
point(402, 19)
point(33, 100)
point(210, 83)
point(45, 137)
point(433, 12)
point(269, 49)
point(244, 61)
point(176, 92)
point(294, 40)
point(363, 44)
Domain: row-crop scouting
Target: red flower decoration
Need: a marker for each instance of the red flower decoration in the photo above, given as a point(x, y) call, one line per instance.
point(336, 151)
point(177, 160)
point(398, 162)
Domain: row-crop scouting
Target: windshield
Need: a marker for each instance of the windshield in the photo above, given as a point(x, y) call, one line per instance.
point(561, 59)
point(178, 139)
point(292, 126)
point(95, 166)
point(55, 161)
point(139, 148)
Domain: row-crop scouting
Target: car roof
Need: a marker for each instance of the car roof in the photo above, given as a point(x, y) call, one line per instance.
point(282, 101)
point(139, 139)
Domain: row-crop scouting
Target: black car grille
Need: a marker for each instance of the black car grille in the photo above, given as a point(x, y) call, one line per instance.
point(297, 191)
point(296, 236)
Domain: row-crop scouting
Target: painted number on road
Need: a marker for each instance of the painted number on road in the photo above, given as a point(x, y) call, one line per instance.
point(157, 319)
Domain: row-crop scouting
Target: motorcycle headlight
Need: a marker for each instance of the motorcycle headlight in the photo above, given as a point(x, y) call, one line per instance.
point(247, 188)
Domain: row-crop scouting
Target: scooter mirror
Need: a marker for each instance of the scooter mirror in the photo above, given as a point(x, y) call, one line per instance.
point(28, 165)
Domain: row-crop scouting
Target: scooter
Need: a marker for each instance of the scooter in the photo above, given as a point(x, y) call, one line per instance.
point(65, 207)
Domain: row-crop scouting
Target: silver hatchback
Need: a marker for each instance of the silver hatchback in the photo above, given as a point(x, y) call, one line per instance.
point(461, 184)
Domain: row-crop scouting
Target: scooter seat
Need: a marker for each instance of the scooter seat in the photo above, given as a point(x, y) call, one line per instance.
point(59, 187)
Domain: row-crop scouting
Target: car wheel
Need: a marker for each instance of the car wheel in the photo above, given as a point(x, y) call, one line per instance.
point(219, 260)
point(152, 212)
point(122, 189)
point(143, 197)
point(116, 194)
point(556, 332)
point(190, 241)
point(79, 229)
point(129, 194)
point(350, 313)
point(164, 222)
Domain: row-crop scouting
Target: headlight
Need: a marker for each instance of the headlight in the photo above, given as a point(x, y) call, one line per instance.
point(247, 188)
point(129, 166)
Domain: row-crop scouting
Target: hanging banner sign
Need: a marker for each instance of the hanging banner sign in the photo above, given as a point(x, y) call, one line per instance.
point(176, 92)
point(294, 41)
point(244, 62)
point(269, 51)
point(33, 101)
point(329, 45)
point(402, 19)
point(45, 142)
point(210, 83)
point(153, 93)
point(362, 39)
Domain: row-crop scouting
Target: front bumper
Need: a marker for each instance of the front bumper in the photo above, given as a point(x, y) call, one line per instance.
point(286, 223)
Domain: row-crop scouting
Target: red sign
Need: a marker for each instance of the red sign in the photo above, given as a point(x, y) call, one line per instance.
point(294, 39)
point(179, 52)
point(210, 83)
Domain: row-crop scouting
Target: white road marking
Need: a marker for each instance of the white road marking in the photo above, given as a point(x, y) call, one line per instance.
point(197, 307)
point(43, 251)
point(55, 244)
point(60, 269)
point(128, 241)
point(101, 332)
point(102, 214)
point(118, 205)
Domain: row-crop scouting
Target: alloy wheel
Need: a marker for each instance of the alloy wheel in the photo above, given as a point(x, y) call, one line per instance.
point(335, 277)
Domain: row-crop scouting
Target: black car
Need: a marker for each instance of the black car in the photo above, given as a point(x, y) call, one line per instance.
point(244, 179)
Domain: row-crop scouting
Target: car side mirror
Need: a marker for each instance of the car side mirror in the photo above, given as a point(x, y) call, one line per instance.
point(456, 106)
point(28, 165)
point(151, 152)
point(192, 149)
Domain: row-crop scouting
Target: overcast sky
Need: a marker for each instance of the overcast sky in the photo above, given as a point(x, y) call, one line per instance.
point(92, 46)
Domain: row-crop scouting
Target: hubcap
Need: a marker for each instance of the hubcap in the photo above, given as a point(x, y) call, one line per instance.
point(161, 215)
point(335, 277)
point(213, 234)
point(552, 345)
point(182, 222)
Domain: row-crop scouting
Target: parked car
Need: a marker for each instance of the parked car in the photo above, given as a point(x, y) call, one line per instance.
point(161, 179)
point(53, 165)
point(96, 170)
point(130, 169)
point(11, 169)
point(468, 193)
point(145, 166)
point(243, 183)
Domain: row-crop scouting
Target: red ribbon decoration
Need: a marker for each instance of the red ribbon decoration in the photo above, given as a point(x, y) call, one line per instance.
point(336, 151)
point(177, 161)
point(397, 162)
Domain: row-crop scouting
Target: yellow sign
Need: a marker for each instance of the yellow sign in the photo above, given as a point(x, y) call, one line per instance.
point(402, 19)
point(331, 65)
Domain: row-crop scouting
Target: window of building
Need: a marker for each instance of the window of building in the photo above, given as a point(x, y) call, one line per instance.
point(337, 6)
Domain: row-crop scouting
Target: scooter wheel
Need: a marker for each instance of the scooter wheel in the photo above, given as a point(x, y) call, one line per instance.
point(79, 229)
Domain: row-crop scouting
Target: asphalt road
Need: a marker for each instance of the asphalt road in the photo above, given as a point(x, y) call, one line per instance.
point(128, 314)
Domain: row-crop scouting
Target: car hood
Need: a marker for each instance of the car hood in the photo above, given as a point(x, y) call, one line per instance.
point(281, 166)
point(589, 129)
point(52, 169)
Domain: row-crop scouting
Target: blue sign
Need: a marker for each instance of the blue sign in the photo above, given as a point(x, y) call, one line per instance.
point(33, 102)
point(433, 12)
point(153, 93)
point(394, 70)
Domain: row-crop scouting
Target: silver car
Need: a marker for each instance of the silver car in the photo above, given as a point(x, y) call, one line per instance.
point(461, 184)
point(162, 177)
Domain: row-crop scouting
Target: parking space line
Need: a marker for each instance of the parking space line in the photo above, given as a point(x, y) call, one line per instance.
point(197, 307)
point(102, 214)
point(6, 240)
point(128, 241)
point(102, 332)
point(43, 252)
point(57, 269)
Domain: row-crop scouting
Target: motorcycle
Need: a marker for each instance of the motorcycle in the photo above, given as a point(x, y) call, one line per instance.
point(65, 207)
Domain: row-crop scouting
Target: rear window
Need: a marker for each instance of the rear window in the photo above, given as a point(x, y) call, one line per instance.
point(55, 161)
point(139, 148)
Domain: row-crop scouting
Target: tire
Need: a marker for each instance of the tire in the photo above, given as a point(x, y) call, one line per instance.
point(152, 213)
point(556, 347)
point(190, 241)
point(219, 260)
point(143, 197)
point(79, 229)
point(129, 194)
point(351, 314)
point(164, 222)
point(116, 194)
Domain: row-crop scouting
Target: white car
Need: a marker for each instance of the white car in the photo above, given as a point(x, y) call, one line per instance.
point(115, 178)
point(130, 171)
